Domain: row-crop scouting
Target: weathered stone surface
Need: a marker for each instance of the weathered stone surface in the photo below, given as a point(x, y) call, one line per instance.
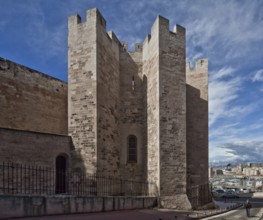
point(132, 112)
point(94, 94)
point(30, 100)
point(142, 93)
point(149, 93)
point(197, 122)
point(28, 206)
point(179, 202)
point(34, 148)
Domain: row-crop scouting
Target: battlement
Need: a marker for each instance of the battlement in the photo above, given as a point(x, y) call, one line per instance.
point(92, 15)
point(124, 45)
point(161, 26)
point(160, 21)
point(178, 29)
point(113, 37)
point(165, 26)
point(147, 39)
point(74, 19)
point(137, 47)
point(94, 20)
point(95, 13)
point(200, 64)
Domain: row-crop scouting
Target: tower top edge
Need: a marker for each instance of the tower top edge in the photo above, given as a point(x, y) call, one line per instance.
point(200, 63)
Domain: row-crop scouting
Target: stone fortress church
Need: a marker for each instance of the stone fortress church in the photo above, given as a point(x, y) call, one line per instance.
point(139, 115)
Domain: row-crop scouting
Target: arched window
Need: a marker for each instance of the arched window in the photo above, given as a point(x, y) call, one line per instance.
point(132, 149)
point(61, 174)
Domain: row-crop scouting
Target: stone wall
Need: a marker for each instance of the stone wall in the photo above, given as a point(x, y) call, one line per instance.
point(33, 148)
point(197, 122)
point(94, 94)
point(27, 206)
point(108, 101)
point(30, 100)
point(151, 76)
point(132, 112)
point(172, 110)
point(82, 91)
point(114, 93)
point(172, 93)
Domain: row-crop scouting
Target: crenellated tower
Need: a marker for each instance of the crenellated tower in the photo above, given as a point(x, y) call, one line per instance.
point(93, 94)
point(137, 114)
point(164, 67)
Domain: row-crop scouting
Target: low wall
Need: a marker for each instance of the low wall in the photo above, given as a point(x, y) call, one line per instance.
point(25, 206)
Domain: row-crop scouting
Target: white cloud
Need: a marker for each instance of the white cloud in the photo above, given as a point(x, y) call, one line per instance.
point(222, 93)
point(239, 151)
point(244, 150)
point(220, 154)
point(258, 76)
point(241, 111)
point(226, 31)
point(230, 132)
point(226, 140)
point(224, 72)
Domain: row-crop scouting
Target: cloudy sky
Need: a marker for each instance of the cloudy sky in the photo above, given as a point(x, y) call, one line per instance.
point(228, 32)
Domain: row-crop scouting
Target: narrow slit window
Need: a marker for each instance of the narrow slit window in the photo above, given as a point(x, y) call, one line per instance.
point(132, 149)
point(133, 84)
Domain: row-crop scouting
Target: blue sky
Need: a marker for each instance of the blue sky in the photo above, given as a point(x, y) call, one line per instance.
point(227, 32)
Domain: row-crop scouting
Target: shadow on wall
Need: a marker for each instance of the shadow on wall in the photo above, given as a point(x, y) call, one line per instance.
point(197, 137)
point(133, 116)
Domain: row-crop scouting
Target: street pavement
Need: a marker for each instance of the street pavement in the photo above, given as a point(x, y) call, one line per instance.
point(119, 215)
point(256, 212)
point(239, 214)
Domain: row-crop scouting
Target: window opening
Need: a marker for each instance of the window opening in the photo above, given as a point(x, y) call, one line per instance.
point(133, 84)
point(60, 174)
point(132, 148)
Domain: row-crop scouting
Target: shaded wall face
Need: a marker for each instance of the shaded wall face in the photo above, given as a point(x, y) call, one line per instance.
point(31, 101)
point(28, 162)
point(132, 115)
point(108, 103)
point(32, 148)
point(197, 123)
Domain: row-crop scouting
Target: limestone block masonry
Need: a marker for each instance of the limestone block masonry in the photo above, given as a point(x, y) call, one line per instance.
point(32, 148)
point(93, 96)
point(140, 115)
point(114, 94)
point(32, 101)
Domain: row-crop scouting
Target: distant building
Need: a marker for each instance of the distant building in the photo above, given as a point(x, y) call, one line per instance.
point(213, 172)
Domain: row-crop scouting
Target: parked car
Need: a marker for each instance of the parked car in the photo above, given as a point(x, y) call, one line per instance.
point(230, 194)
point(218, 192)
